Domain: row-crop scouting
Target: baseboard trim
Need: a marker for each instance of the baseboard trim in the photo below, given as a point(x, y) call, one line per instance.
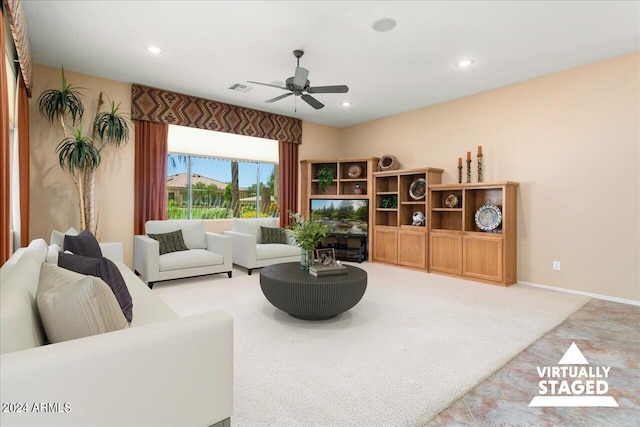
point(587, 294)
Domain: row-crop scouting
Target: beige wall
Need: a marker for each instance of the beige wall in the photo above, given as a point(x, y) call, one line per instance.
point(53, 198)
point(571, 139)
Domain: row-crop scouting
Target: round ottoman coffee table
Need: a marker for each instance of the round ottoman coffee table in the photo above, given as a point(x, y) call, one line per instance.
point(308, 297)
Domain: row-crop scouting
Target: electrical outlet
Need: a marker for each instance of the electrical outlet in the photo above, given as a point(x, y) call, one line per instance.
point(556, 265)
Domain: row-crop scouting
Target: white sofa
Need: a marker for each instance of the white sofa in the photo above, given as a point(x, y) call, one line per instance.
point(208, 253)
point(161, 371)
point(249, 251)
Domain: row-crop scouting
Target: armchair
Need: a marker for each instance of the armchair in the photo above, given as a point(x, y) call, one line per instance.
point(248, 249)
point(208, 253)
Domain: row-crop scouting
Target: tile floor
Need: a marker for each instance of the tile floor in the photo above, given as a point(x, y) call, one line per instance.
point(607, 333)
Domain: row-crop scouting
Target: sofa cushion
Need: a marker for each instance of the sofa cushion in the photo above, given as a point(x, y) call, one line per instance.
point(268, 251)
point(21, 328)
point(57, 237)
point(192, 230)
point(170, 242)
point(189, 259)
point(73, 305)
point(106, 270)
point(52, 254)
point(149, 307)
point(273, 235)
point(84, 244)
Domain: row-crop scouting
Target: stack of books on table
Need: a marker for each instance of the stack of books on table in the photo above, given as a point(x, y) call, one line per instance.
point(327, 270)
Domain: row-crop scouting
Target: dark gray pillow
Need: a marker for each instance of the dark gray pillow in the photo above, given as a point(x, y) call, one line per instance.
point(273, 235)
point(84, 244)
point(106, 270)
point(170, 242)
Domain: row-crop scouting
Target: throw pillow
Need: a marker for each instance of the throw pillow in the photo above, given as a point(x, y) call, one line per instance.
point(57, 237)
point(106, 270)
point(73, 306)
point(170, 242)
point(273, 235)
point(84, 244)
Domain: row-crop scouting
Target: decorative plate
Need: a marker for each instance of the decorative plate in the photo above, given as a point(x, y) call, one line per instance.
point(488, 217)
point(418, 189)
point(451, 201)
point(354, 171)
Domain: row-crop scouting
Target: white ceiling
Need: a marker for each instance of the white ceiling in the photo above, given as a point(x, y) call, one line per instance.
point(210, 45)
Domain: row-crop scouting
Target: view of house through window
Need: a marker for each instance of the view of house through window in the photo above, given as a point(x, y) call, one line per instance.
point(212, 175)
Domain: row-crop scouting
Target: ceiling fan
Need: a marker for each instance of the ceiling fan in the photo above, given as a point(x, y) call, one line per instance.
point(298, 85)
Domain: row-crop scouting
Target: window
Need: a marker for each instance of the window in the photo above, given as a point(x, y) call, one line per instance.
point(203, 185)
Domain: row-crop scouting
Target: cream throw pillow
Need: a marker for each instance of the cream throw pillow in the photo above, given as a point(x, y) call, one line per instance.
point(73, 305)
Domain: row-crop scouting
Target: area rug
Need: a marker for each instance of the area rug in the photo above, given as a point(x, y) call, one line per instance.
point(413, 345)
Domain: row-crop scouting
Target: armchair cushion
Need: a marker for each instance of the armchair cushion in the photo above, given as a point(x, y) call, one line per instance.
point(104, 269)
point(273, 235)
point(84, 244)
point(190, 259)
point(72, 305)
point(269, 251)
point(170, 242)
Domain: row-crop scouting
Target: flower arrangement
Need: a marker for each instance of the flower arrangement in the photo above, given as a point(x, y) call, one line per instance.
point(307, 233)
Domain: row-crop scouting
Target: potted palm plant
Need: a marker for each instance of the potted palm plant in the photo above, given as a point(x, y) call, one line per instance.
point(80, 154)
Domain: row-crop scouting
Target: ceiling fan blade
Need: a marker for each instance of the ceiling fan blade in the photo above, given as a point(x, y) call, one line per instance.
point(300, 79)
point(312, 101)
point(267, 84)
point(278, 98)
point(328, 89)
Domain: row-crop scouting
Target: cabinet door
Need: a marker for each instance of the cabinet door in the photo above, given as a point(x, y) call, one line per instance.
point(412, 246)
point(483, 257)
point(445, 253)
point(385, 245)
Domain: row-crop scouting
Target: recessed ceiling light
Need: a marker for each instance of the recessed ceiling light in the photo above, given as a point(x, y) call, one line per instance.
point(153, 49)
point(464, 63)
point(346, 104)
point(384, 24)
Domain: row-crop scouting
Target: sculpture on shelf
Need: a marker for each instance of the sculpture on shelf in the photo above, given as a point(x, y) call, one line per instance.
point(418, 219)
point(388, 162)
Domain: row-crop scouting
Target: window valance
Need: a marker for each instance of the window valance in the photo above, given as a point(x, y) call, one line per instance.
point(21, 41)
point(161, 106)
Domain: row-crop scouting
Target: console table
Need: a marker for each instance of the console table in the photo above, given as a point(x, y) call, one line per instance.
point(308, 297)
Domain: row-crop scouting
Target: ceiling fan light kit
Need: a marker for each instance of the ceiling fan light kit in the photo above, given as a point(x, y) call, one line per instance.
point(299, 85)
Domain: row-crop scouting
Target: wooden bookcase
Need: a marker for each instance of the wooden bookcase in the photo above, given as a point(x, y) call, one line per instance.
point(394, 239)
point(458, 247)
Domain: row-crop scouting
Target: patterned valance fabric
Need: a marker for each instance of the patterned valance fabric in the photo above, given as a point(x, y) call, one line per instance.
point(162, 106)
point(19, 33)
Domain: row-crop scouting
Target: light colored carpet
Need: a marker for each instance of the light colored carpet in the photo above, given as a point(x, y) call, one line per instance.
point(413, 344)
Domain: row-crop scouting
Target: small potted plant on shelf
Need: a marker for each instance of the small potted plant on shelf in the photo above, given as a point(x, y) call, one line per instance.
point(308, 234)
point(325, 177)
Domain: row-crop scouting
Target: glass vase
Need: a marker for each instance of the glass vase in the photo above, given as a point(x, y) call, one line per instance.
point(306, 259)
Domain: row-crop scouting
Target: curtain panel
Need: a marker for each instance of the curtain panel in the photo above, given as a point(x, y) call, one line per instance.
point(161, 106)
point(150, 173)
point(5, 185)
point(288, 159)
point(20, 39)
point(23, 156)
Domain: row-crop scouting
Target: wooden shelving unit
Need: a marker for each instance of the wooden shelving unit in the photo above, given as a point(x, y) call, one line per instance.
point(458, 247)
point(343, 187)
point(395, 239)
